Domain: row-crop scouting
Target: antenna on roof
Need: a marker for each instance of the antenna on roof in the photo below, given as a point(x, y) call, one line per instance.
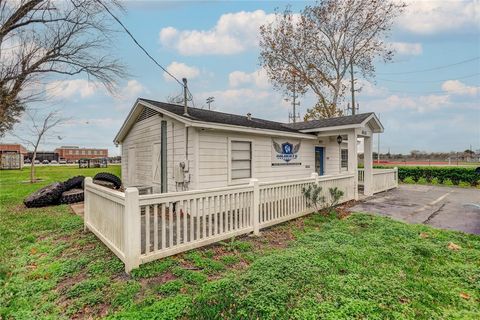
point(185, 90)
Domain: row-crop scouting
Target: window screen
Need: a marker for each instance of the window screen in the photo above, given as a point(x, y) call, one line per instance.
point(241, 160)
point(344, 158)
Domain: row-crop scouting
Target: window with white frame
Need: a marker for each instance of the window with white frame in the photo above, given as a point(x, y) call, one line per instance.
point(344, 159)
point(241, 160)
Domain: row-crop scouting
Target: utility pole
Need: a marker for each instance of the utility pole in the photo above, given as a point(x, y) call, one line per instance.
point(293, 117)
point(185, 88)
point(209, 101)
point(352, 87)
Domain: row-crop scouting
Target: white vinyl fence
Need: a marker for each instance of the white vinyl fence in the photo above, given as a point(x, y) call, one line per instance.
point(143, 228)
point(361, 176)
point(384, 179)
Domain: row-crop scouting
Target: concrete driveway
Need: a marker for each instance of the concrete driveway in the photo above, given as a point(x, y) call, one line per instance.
point(441, 207)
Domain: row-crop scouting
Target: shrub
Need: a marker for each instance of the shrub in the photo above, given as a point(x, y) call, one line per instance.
point(313, 194)
point(335, 196)
point(448, 182)
point(422, 180)
point(454, 174)
point(408, 180)
point(435, 181)
point(464, 184)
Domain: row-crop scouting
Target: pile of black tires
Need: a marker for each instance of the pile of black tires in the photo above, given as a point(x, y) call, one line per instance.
point(69, 191)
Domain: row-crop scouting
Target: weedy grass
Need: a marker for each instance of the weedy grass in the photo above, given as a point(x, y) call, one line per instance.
point(315, 267)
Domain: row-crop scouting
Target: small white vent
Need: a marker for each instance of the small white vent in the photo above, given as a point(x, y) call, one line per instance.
point(146, 113)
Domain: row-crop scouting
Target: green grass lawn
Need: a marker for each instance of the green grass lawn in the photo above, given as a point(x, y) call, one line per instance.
point(312, 268)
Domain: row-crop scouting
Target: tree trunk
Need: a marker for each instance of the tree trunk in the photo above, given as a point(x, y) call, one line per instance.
point(32, 167)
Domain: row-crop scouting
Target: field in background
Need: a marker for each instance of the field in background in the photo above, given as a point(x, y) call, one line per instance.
point(426, 163)
point(317, 265)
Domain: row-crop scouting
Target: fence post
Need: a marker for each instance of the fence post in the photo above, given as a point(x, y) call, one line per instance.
point(314, 176)
point(255, 204)
point(131, 229)
point(396, 176)
point(86, 201)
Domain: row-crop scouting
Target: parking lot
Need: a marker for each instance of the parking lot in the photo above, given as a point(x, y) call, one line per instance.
point(441, 207)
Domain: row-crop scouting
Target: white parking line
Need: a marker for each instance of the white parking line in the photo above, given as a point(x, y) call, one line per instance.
point(429, 205)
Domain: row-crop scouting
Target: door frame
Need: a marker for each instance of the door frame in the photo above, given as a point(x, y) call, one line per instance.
point(322, 162)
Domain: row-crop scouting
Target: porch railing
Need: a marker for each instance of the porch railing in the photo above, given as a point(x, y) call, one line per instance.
point(143, 228)
point(384, 179)
point(361, 176)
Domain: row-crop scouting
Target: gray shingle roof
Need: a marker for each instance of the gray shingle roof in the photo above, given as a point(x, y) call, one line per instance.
point(332, 122)
point(220, 117)
point(242, 120)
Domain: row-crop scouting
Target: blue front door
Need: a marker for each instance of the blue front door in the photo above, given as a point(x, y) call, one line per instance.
point(319, 155)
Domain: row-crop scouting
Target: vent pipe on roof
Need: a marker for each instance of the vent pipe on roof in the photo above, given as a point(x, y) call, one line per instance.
point(249, 116)
point(185, 107)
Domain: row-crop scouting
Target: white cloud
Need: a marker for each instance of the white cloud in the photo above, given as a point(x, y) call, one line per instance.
point(421, 104)
point(63, 89)
point(70, 88)
point(456, 87)
point(239, 78)
point(434, 16)
point(168, 35)
point(407, 48)
point(368, 89)
point(260, 103)
point(233, 33)
point(133, 89)
point(181, 70)
point(96, 122)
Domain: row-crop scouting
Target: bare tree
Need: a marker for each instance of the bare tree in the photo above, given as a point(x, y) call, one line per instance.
point(44, 38)
point(37, 131)
point(315, 49)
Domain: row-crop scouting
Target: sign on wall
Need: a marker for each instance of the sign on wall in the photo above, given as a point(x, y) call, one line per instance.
point(286, 153)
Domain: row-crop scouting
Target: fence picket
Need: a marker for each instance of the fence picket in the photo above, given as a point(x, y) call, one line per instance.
point(147, 229)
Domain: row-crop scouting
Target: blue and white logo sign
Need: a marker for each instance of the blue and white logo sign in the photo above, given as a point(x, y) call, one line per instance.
point(285, 153)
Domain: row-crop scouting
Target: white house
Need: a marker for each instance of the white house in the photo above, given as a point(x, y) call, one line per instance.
point(213, 176)
point(170, 150)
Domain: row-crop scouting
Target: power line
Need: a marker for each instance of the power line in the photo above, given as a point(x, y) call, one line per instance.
point(433, 69)
point(430, 81)
point(138, 44)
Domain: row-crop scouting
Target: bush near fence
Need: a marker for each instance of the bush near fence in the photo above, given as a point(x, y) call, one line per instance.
point(439, 174)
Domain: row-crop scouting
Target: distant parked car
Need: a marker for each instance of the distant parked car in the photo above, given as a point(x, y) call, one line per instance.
point(62, 161)
point(45, 161)
point(37, 161)
point(27, 161)
point(54, 162)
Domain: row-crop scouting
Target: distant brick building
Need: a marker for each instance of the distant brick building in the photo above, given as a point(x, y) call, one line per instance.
point(12, 156)
point(13, 148)
point(73, 153)
point(43, 155)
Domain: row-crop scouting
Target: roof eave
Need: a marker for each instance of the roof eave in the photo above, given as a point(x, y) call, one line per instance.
point(323, 129)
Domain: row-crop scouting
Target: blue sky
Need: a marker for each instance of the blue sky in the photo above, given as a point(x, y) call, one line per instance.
point(213, 44)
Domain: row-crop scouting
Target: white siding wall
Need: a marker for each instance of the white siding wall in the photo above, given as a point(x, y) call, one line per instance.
point(142, 136)
point(332, 155)
point(213, 159)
